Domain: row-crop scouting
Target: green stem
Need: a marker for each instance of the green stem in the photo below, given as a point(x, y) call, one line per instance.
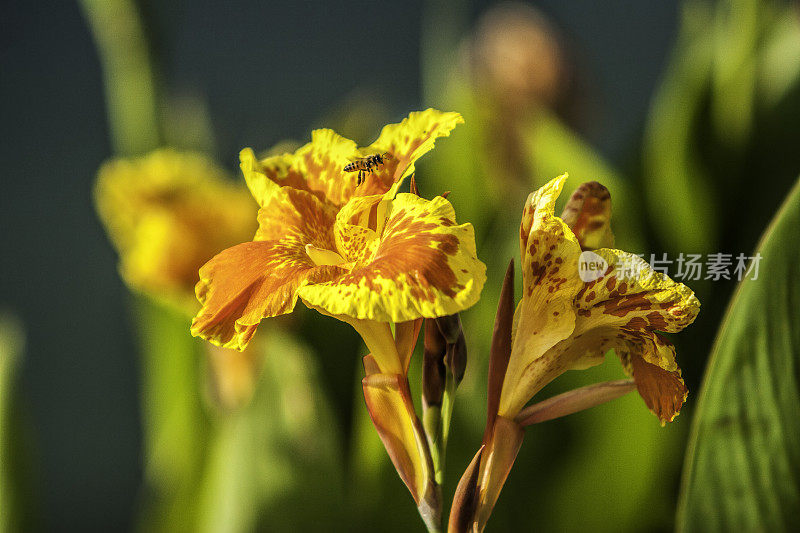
point(128, 73)
point(436, 420)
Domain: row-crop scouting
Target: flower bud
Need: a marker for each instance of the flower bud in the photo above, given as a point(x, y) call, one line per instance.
point(457, 357)
point(450, 326)
point(433, 369)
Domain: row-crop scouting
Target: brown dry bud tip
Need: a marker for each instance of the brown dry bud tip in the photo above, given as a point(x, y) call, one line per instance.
point(413, 189)
point(457, 357)
point(433, 369)
point(465, 499)
point(450, 326)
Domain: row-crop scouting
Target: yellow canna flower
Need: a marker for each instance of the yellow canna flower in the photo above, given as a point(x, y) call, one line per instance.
point(360, 252)
point(363, 253)
point(565, 323)
point(167, 213)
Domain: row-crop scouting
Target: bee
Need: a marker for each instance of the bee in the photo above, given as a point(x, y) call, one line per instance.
point(364, 165)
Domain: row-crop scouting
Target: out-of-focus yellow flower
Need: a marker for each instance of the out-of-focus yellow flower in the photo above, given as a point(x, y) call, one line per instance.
point(167, 213)
point(361, 252)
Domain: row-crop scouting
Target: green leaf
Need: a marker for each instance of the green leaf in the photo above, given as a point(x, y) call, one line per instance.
point(742, 469)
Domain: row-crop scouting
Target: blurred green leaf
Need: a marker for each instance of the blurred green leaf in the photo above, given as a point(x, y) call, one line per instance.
point(275, 464)
point(678, 188)
point(130, 81)
point(175, 424)
point(11, 341)
point(742, 466)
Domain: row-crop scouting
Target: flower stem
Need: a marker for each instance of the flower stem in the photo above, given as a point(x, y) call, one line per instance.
point(128, 72)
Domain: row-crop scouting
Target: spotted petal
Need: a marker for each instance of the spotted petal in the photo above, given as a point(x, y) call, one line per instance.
point(633, 295)
point(546, 314)
point(406, 142)
point(421, 265)
point(588, 214)
point(318, 167)
point(624, 309)
point(259, 279)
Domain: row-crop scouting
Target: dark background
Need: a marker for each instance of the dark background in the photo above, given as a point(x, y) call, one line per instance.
point(269, 71)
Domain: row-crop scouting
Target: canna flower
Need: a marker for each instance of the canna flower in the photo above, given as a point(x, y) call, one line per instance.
point(362, 253)
point(167, 213)
point(565, 323)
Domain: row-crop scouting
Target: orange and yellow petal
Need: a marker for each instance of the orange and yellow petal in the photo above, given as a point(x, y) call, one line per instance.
point(248, 282)
point(391, 409)
point(297, 215)
point(407, 141)
point(317, 167)
point(422, 265)
point(259, 279)
point(588, 214)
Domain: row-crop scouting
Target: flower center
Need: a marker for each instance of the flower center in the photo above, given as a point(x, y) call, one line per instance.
point(322, 257)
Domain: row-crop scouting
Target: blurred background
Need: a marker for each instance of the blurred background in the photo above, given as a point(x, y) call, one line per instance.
point(686, 110)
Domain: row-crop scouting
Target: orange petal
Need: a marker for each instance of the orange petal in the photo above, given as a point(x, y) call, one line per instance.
point(297, 215)
point(248, 282)
point(662, 390)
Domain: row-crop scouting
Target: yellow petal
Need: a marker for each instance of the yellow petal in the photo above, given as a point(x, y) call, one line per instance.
point(423, 265)
point(406, 142)
point(360, 222)
point(588, 214)
point(317, 167)
point(321, 256)
point(546, 314)
point(625, 312)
